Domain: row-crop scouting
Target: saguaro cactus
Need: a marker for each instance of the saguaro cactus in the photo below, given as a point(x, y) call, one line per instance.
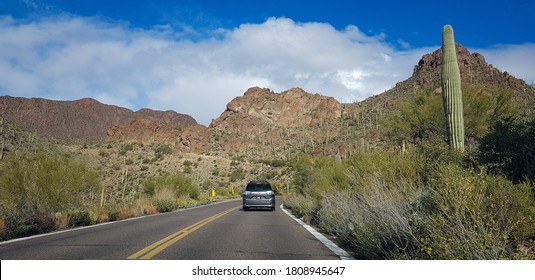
point(451, 91)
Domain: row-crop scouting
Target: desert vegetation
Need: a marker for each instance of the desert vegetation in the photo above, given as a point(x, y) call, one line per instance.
point(429, 201)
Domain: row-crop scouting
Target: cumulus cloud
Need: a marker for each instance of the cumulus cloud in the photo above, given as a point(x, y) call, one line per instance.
point(69, 58)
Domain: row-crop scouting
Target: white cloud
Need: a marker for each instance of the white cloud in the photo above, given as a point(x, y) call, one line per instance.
point(72, 57)
point(517, 60)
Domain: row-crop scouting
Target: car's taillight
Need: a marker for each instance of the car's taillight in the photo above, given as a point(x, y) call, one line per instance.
point(246, 193)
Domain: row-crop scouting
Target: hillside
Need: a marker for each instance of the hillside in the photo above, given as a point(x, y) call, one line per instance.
point(474, 69)
point(78, 121)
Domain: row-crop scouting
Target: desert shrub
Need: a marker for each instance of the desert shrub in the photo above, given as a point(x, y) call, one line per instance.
point(186, 203)
point(416, 119)
point(161, 150)
point(129, 211)
point(305, 208)
point(509, 149)
point(415, 206)
point(79, 217)
point(163, 205)
point(112, 213)
point(237, 174)
point(176, 183)
point(378, 223)
point(37, 185)
point(377, 212)
point(364, 169)
point(165, 200)
point(53, 180)
point(313, 177)
point(29, 218)
point(477, 216)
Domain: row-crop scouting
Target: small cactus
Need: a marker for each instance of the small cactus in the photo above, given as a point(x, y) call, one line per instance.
point(451, 91)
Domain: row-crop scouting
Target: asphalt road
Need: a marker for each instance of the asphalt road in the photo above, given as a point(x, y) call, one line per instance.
point(216, 232)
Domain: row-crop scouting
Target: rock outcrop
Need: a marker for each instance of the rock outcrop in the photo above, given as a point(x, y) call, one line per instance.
point(292, 108)
point(262, 117)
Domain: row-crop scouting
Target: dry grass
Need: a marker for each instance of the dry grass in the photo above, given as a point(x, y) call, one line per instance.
point(378, 222)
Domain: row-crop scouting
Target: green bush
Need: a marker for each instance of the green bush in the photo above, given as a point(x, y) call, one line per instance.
point(477, 216)
point(163, 205)
point(53, 180)
point(161, 150)
point(79, 217)
point(237, 174)
point(302, 206)
point(178, 184)
point(36, 185)
point(29, 218)
point(509, 149)
point(313, 177)
point(421, 116)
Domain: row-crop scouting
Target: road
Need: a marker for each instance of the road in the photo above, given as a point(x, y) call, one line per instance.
point(216, 232)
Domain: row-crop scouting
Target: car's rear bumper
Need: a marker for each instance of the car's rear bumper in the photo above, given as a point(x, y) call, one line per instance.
point(259, 202)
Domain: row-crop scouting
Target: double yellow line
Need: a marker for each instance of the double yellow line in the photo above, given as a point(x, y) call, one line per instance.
point(158, 246)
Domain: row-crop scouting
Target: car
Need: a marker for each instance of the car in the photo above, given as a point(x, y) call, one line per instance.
point(258, 195)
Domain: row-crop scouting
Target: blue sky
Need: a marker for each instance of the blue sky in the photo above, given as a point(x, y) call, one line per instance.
point(195, 56)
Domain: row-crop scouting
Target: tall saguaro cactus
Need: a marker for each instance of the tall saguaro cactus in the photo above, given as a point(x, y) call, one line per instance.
point(451, 91)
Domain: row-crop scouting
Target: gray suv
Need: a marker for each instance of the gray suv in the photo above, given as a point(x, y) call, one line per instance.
point(258, 194)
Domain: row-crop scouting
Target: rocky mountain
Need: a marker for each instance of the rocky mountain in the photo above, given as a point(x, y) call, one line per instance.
point(474, 69)
point(78, 121)
point(264, 120)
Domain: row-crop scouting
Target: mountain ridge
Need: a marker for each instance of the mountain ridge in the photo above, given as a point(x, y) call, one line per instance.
point(80, 120)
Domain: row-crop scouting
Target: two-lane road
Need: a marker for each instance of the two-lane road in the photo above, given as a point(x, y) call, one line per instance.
point(219, 231)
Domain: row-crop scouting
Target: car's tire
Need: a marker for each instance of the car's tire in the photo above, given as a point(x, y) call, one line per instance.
point(245, 208)
point(273, 208)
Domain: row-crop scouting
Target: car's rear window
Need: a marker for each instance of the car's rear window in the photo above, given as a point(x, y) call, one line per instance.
point(258, 187)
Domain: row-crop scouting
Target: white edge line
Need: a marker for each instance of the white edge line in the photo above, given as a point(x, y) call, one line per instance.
point(106, 223)
point(328, 243)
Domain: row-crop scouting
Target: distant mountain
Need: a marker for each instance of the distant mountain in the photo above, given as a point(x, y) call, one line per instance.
point(78, 121)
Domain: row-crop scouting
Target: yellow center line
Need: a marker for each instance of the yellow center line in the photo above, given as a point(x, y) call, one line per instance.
point(160, 245)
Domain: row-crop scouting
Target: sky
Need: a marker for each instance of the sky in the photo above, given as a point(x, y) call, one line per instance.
point(194, 57)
